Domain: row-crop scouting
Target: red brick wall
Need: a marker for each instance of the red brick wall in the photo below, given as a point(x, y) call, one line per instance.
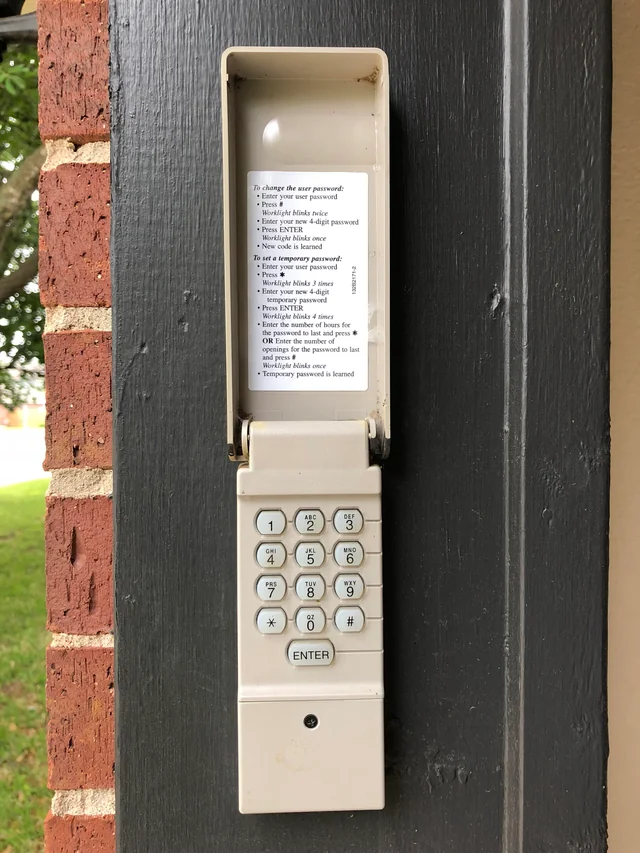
point(75, 287)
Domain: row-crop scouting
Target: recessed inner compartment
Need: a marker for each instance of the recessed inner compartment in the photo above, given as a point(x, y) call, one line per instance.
point(307, 141)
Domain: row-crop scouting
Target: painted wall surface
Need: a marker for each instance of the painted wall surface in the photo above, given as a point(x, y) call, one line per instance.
point(624, 595)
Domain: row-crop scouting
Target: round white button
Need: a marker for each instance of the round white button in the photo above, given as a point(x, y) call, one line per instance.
point(348, 521)
point(309, 521)
point(271, 555)
point(271, 620)
point(271, 587)
point(310, 620)
point(348, 619)
point(349, 586)
point(348, 554)
point(271, 521)
point(310, 554)
point(310, 587)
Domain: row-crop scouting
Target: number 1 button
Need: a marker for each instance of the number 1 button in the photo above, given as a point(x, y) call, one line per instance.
point(270, 521)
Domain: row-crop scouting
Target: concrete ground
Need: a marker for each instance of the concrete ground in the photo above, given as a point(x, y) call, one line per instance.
point(21, 455)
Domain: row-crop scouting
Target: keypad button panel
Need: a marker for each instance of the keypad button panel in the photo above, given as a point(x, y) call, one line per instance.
point(324, 571)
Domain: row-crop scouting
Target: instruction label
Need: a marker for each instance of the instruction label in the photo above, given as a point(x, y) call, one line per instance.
point(308, 283)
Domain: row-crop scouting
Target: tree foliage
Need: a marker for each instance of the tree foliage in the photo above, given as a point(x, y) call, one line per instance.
point(21, 155)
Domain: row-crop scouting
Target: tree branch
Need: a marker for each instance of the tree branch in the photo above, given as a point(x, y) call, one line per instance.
point(15, 281)
point(15, 194)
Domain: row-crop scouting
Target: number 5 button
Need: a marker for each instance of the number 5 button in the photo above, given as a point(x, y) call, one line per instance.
point(310, 554)
point(348, 553)
point(349, 586)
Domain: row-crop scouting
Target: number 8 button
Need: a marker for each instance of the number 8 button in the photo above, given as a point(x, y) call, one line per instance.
point(310, 587)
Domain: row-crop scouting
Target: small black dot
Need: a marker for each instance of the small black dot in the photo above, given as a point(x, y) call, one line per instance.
point(311, 721)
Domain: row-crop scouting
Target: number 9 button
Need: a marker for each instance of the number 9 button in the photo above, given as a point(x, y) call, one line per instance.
point(348, 587)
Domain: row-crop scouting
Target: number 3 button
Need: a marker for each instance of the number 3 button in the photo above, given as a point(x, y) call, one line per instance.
point(348, 586)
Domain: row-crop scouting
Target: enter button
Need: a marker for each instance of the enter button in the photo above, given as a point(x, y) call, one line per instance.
point(310, 653)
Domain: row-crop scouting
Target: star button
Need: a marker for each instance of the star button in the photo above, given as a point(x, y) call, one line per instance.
point(281, 275)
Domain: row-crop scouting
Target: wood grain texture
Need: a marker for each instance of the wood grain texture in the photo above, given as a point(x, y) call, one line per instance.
point(494, 498)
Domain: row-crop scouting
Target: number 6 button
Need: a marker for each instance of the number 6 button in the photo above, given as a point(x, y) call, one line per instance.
point(349, 586)
point(348, 553)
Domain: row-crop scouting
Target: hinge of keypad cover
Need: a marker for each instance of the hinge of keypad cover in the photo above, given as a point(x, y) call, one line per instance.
point(378, 442)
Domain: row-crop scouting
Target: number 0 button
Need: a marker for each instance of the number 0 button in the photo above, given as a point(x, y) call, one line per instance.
point(310, 620)
point(310, 554)
point(349, 586)
point(271, 521)
point(271, 556)
point(310, 587)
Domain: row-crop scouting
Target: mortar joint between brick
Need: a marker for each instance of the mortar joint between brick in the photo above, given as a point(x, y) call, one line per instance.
point(90, 802)
point(60, 151)
point(81, 641)
point(81, 483)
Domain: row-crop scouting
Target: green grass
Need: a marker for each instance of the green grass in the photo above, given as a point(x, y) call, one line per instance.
point(24, 798)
